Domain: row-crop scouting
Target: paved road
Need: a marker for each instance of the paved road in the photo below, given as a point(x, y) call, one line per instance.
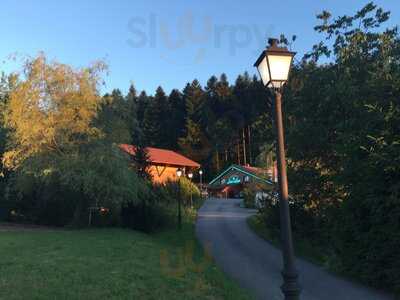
point(256, 264)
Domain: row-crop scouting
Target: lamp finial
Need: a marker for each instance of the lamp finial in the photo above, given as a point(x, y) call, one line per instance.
point(273, 42)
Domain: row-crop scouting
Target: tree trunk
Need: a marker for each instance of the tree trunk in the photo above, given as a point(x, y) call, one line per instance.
point(238, 152)
point(249, 140)
point(217, 159)
point(244, 148)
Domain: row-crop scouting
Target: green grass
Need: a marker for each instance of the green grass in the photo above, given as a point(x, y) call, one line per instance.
point(109, 263)
point(303, 248)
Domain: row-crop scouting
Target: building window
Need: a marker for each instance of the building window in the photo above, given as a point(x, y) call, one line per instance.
point(247, 179)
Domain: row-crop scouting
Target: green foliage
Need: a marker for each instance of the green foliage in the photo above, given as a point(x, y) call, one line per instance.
point(43, 202)
point(343, 138)
point(185, 188)
point(249, 196)
point(156, 205)
point(206, 124)
point(151, 212)
point(4, 92)
point(154, 128)
point(115, 117)
point(62, 194)
point(141, 161)
point(102, 174)
point(62, 163)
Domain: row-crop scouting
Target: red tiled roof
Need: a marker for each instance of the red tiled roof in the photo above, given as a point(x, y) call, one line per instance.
point(163, 156)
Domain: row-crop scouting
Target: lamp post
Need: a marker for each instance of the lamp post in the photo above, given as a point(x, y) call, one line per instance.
point(274, 67)
point(190, 175)
point(201, 183)
point(179, 174)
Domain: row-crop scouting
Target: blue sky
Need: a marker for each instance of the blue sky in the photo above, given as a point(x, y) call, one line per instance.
point(167, 43)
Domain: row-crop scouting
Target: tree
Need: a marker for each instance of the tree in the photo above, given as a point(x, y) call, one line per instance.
point(54, 142)
point(51, 109)
point(5, 87)
point(177, 118)
point(154, 122)
point(195, 143)
point(132, 101)
point(141, 158)
point(342, 121)
point(115, 119)
point(194, 96)
point(142, 103)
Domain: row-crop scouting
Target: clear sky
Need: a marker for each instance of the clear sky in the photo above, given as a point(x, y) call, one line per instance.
point(167, 43)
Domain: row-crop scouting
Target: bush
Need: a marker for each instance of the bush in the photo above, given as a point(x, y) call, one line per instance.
point(249, 197)
point(186, 190)
point(5, 203)
point(150, 212)
point(5, 207)
point(368, 240)
point(255, 194)
point(40, 202)
point(156, 205)
point(146, 218)
point(270, 214)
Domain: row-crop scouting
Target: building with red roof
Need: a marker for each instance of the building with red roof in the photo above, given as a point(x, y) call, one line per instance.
point(164, 163)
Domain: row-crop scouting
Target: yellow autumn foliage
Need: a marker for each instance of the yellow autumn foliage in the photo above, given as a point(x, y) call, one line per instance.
point(51, 109)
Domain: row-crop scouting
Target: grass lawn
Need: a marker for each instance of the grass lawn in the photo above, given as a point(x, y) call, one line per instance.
point(109, 263)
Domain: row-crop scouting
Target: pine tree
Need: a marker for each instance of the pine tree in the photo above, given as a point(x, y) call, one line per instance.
point(131, 108)
point(194, 97)
point(195, 143)
point(113, 117)
point(155, 125)
point(141, 159)
point(177, 117)
point(142, 102)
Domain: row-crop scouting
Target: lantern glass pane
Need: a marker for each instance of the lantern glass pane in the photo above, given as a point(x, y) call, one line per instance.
point(263, 70)
point(280, 66)
point(277, 84)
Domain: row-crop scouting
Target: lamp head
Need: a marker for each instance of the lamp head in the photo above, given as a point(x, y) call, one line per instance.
point(274, 64)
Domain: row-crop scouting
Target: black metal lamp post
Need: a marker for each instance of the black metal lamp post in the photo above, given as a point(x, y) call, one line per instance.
point(179, 174)
point(190, 175)
point(274, 67)
point(201, 182)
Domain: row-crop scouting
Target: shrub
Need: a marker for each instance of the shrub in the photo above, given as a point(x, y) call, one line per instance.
point(40, 202)
point(368, 240)
point(186, 190)
point(156, 205)
point(249, 196)
point(151, 211)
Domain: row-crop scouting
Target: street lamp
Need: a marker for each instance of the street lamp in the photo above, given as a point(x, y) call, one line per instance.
point(201, 183)
point(274, 67)
point(179, 174)
point(190, 175)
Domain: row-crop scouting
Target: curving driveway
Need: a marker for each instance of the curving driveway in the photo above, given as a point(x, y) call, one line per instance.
point(256, 264)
